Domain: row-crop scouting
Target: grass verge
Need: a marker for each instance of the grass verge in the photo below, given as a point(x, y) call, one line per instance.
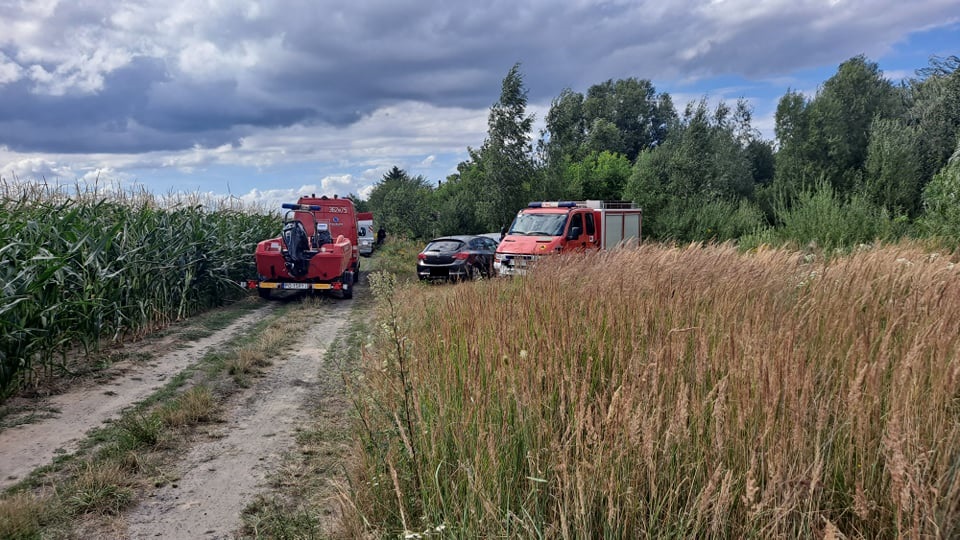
point(689, 392)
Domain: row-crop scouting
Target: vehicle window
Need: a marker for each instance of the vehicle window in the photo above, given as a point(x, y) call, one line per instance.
point(476, 244)
point(491, 244)
point(444, 245)
point(577, 221)
point(539, 224)
point(590, 227)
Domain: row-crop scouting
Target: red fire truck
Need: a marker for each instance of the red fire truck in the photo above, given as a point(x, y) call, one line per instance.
point(556, 227)
point(317, 249)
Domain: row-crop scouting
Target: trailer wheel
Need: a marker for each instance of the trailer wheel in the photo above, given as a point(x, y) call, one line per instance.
point(347, 280)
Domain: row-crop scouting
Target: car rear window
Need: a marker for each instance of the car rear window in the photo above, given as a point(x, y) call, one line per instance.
point(444, 245)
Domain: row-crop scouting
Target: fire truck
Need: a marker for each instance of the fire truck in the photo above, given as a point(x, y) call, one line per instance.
point(544, 228)
point(316, 250)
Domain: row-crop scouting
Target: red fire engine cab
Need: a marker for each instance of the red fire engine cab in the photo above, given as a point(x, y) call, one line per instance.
point(544, 228)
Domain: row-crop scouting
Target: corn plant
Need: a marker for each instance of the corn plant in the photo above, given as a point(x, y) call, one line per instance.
point(81, 267)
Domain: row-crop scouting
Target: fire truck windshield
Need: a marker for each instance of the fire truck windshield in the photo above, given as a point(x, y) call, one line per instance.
point(539, 224)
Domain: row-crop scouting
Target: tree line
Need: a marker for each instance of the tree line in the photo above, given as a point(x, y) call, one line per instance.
point(861, 160)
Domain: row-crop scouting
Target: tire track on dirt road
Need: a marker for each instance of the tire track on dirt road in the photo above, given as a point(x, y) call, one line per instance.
point(220, 476)
point(25, 447)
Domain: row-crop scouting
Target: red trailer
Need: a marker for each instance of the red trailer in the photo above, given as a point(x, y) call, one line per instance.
point(317, 249)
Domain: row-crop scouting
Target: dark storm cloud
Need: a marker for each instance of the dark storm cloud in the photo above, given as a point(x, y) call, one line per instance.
point(121, 77)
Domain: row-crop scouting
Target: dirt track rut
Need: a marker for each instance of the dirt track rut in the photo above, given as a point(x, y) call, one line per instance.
point(219, 476)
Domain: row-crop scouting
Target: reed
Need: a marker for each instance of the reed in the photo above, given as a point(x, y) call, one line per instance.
point(680, 392)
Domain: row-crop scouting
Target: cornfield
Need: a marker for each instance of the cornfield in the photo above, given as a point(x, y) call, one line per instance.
point(667, 393)
point(77, 268)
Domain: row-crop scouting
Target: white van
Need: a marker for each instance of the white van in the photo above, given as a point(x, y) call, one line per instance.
point(366, 233)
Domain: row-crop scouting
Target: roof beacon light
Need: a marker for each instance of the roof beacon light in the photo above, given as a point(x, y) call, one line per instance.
point(560, 204)
point(292, 206)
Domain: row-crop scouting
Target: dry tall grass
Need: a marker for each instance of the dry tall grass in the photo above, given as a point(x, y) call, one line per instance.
point(689, 392)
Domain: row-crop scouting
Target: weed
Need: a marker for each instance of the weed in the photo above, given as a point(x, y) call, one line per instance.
point(21, 516)
point(138, 430)
point(270, 518)
point(100, 488)
point(194, 406)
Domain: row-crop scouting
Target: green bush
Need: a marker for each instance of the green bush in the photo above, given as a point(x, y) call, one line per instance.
point(820, 218)
point(941, 201)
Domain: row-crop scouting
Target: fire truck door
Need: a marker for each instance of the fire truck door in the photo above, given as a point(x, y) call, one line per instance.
point(591, 231)
point(577, 237)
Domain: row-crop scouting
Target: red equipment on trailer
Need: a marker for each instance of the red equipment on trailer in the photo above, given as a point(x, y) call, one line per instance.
point(317, 249)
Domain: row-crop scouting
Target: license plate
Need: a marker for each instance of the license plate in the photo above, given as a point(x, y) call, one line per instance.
point(296, 286)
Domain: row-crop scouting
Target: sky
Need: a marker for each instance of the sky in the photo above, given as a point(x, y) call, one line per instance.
point(268, 100)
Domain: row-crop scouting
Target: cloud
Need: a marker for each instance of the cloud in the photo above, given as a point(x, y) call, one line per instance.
point(191, 85)
point(271, 199)
point(10, 71)
point(220, 70)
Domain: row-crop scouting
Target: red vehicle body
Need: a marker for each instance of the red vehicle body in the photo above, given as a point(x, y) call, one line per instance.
point(317, 249)
point(557, 227)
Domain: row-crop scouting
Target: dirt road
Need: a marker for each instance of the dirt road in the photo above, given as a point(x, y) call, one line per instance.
point(220, 475)
point(225, 465)
point(26, 447)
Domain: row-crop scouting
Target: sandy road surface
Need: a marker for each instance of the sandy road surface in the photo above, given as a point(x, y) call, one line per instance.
point(26, 447)
point(219, 476)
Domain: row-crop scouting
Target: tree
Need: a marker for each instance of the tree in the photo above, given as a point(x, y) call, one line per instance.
point(840, 118)
point(360, 205)
point(632, 106)
point(935, 110)
point(792, 170)
point(455, 201)
point(622, 117)
point(701, 165)
point(941, 200)
point(893, 172)
point(505, 159)
point(402, 204)
point(600, 175)
point(565, 128)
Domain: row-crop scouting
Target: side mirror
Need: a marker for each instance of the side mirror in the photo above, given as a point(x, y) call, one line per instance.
point(574, 233)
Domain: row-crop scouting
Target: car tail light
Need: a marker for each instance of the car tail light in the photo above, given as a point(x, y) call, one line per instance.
point(462, 256)
point(421, 256)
